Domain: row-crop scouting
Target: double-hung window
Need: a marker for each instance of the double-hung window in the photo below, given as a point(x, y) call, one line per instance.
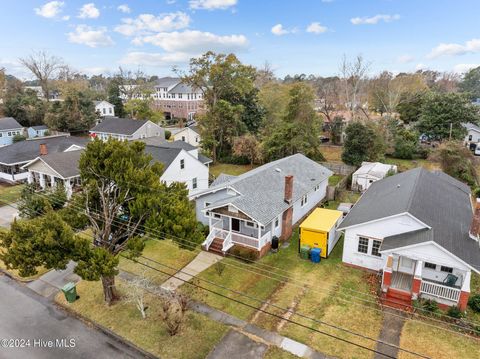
point(182, 164)
point(363, 245)
point(194, 183)
point(375, 248)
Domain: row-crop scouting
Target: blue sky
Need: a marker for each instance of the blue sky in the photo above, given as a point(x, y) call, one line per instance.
point(294, 36)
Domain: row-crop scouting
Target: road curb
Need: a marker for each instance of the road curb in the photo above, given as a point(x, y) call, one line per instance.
point(105, 331)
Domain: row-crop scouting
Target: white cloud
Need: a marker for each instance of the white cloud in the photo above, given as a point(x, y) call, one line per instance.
point(470, 47)
point(50, 10)
point(211, 4)
point(421, 66)
point(89, 11)
point(124, 8)
point(462, 68)
point(90, 71)
point(404, 59)
point(148, 23)
point(279, 30)
point(196, 42)
point(155, 59)
point(316, 28)
point(90, 36)
point(374, 19)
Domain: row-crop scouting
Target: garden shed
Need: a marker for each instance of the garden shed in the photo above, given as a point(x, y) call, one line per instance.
point(319, 230)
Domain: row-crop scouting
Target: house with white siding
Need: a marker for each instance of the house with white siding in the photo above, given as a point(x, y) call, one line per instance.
point(126, 129)
point(370, 172)
point(104, 108)
point(421, 232)
point(190, 135)
point(250, 209)
point(9, 128)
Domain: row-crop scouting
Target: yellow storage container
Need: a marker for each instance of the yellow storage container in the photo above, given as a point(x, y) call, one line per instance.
point(319, 230)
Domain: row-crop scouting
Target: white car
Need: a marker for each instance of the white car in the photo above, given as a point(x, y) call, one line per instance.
point(477, 151)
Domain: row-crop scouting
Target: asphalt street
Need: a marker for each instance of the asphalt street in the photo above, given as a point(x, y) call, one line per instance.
point(47, 332)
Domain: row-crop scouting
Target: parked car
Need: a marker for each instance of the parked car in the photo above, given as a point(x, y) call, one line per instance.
point(324, 139)
point(477, 151)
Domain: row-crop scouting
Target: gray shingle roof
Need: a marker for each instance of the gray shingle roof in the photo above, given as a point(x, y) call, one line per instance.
point(471, 126)
point(25, 151)
point(183, 88)
point(64, 163)
point(262, 189)
point(121, 126)
point(222, 178)
point(167, 81)
point(9, 123)
point(40, 127)
point(436, 199)
point(204, 159)
point(162, 154)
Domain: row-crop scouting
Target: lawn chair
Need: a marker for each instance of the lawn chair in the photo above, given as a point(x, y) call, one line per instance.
point(450, 280)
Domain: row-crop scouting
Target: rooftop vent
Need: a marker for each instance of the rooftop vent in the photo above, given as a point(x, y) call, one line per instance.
point(278, 170)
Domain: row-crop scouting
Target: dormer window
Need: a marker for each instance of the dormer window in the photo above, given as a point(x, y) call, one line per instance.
point(182, 164)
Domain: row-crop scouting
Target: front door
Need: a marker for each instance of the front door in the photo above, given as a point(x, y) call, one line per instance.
point(235, 225)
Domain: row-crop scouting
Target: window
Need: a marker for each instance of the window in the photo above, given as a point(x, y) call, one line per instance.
point(317, 187)
point(104, 110)
point(194, 183)
point(469, 137)
point(216, 215)
point(250, 224)
point(183, 138)
point(363, 245)
point(276, 222)
point(304, 200)
point(182, 164)
point(110, 110)
point(207, 204)
point(430, 265)
point(446, 269)
point(375, 247)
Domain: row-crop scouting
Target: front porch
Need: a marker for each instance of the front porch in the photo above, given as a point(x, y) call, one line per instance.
point(43, 181)
point(409, 279)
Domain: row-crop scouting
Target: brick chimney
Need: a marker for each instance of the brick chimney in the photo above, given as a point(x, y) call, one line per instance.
point(288, 189)
point(475, 225)
point(288, 214)
point(43, 149)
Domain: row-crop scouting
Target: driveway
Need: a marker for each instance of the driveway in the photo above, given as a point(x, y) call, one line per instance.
point(26, 316)
point(7, 214)
point(236, 345)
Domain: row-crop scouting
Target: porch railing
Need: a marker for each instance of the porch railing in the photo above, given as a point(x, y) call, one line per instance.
point(214, 233)
point(440, 291)
point(245, 240)
point(227, 242)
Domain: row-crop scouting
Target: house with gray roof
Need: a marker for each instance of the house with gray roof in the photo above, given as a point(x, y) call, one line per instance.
point(9, 128)
point(126, 129)
point(104, 108)
point(250, 209)
point(473, 133)
point(15, 156)
point(420, 230)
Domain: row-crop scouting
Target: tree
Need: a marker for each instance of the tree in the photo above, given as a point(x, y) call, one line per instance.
point(274, 99)
point(32, 204)
point(409, 106)
point(471, 83)
point(336, 130)
point(406, 144)
point(328, 94)
point(442, 115)
point(114, 97)
point(457, 161)
point(353, 78)
point(247, 146)
point(136, 289)
point(140, 109)
point(124, 198)
point(362, 143)
point(23, 105)
point(75, 114)
point(299, 130)
point(44, 67)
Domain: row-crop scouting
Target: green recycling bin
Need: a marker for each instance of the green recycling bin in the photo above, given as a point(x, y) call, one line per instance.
point(304, 251)
point(70, 291)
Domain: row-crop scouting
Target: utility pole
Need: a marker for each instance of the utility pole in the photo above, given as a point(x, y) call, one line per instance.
point(450, 135)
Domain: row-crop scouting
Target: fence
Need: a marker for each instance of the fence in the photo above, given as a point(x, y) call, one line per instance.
point(339, 168)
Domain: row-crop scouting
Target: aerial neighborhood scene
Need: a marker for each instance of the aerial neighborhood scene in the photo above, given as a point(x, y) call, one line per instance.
point(186, 179)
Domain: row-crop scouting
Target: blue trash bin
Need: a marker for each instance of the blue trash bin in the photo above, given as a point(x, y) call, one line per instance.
point(315, 255)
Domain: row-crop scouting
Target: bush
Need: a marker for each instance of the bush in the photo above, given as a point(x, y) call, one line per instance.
point(18, 138)
point(244, 254)
point(168, 134)
point(455, 312)
point(235, 160)
point(430, 306)
point(474, 303)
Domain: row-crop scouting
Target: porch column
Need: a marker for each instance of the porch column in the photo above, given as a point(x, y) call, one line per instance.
point(68, 188)
point(387, 273)
point(42, 180)
point(259, 235)
point(417, 280)
point(30, 177)
point(465, 293)
point(209, 221)
point(52, 181)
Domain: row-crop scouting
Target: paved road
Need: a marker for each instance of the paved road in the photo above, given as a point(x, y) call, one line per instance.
point(26, 315)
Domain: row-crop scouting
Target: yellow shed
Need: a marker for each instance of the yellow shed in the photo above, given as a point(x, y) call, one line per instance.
point(319, 230)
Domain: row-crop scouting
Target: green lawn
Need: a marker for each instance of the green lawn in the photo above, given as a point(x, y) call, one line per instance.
point(333, 180)
point(197, 336)
point(229, 169)
point(331, 153)
point(405, 165)
point(277, 353)
point(10, 193)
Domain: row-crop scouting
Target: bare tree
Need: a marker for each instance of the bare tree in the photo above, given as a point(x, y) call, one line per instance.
point(265, 75)
point(45, 68)
point(136, 289)
point(353, 76)
point(328, 96)
point(134, 84)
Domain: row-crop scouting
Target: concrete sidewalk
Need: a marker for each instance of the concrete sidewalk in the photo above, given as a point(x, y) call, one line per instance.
point(7, 215)
point(201, 262)
point(392, 327)
point(49, 284)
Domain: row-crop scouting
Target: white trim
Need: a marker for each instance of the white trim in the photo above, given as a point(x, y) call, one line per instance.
point(204, 210)
point(340, 228)
point(46, 164)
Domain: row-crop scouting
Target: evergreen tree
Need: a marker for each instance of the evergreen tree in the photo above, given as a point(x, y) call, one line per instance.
point(114, 98)
point(362, 143)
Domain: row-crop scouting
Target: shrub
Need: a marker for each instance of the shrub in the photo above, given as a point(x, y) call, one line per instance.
point(474, 303)
point(244, 254)
point(18, 138)
point(168, 134)
point(455, 312)
point(430, 306)
point(219, 268)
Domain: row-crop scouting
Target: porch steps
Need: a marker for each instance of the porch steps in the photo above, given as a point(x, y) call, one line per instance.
point(216, 246)
point(398, 299)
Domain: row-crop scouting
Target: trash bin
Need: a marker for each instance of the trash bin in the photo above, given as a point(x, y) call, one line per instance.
point(315, 255)
point(70, 292)
point(304, 251)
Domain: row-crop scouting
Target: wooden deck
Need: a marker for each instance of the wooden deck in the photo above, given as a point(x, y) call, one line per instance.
point(402, 281)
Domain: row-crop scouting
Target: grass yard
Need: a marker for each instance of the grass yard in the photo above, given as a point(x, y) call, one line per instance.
point(334, 179)
point(165, 252)
point(437, 343)
point(332, 153)
point(229, 169)
point(277, 353)
point(197, 336)
point(405, 165)
point(9, 193)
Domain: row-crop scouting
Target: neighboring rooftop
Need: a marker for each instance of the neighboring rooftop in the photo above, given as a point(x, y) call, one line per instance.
point(9, 123)
point(39, 127)
point(162, 154)
point(120, 126)
point(25, 151)
point(436, 199)
point(376, 169)
point(261, 190)
point(471, 126)
point(64, 163)
point(167, 82)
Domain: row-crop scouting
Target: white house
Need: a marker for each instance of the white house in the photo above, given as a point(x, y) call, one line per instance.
point(9, 128)
point(104, 108)
point(249, 210)
point(370, 172)
point(473, 133)
point(418, 228)
point(186, 134)
point(126, 129)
